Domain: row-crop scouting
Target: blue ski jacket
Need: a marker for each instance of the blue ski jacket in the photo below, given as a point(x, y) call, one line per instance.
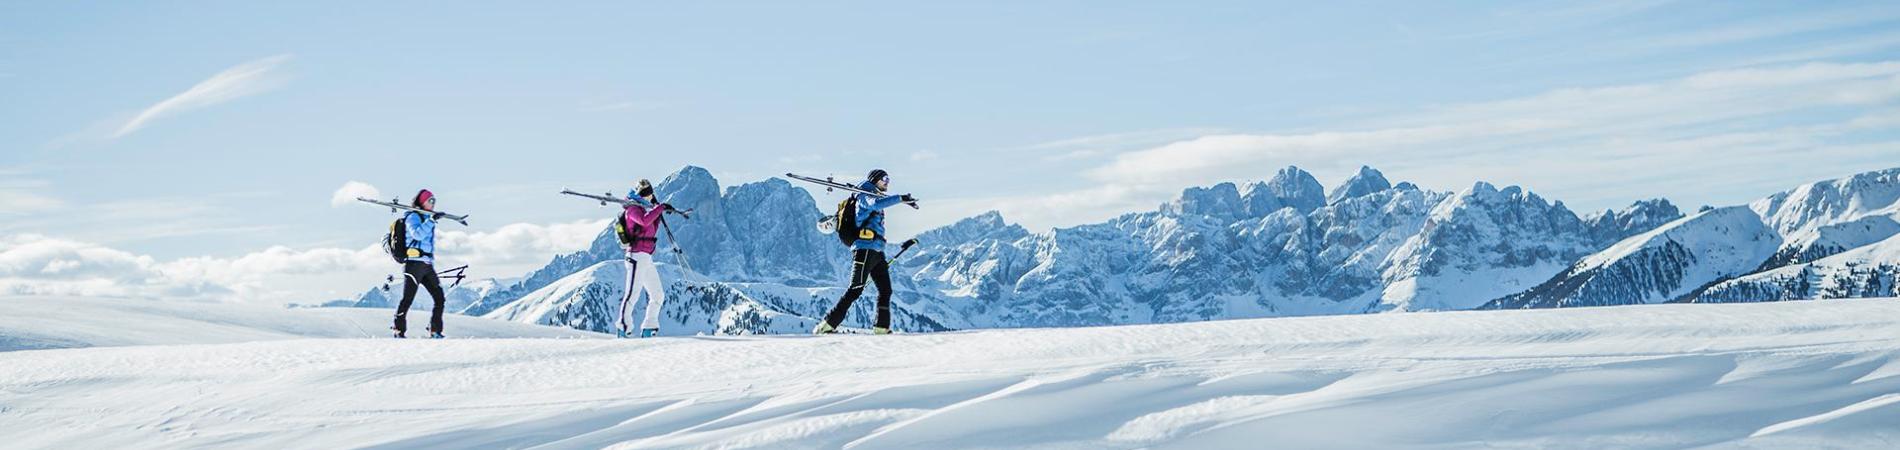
point(420, 232)
point(871, 218)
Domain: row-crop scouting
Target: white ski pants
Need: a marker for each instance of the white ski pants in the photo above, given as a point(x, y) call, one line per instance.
point(642, 275)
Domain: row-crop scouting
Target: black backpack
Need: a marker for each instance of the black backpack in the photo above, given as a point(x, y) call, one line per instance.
point(396, 242)
point(848, 229)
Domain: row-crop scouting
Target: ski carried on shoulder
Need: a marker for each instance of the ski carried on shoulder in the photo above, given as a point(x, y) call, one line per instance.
point(394, 207)
point(606, 199)
point(831, 184)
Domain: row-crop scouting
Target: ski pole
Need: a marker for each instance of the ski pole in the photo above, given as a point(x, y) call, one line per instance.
point(456, 274)
point(677, 251)
point(904, 248)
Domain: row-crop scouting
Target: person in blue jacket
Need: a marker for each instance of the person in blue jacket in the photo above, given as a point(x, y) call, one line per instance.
point(419, 267)
point(868, 255)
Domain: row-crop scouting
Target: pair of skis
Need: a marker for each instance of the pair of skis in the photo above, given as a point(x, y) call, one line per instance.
point(827, 224)
point(394, 207)
point(606, 199)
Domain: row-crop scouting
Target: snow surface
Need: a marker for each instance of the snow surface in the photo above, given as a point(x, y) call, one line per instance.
point(1775, 375)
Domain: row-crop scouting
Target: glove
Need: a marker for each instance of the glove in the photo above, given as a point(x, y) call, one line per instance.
point(437, 216)
point(908, 199)
point(668, 207)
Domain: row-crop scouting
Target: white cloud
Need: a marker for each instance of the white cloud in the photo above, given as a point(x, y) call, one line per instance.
point(350, 191)
point(38, 265)
point(32, 264)
point(243, 80)
point(518, 243)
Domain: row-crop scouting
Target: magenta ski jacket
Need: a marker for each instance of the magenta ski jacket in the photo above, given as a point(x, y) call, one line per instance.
point(647, 218)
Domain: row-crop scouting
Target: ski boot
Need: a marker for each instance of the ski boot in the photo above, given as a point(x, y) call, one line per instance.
point(620, 334)
point(649, 332)
point(436, 335)
point(824, 328)
point(880, 330)
point(400, 334)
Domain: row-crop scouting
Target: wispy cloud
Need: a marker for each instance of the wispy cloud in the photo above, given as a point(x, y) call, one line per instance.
point(21, 194)
point(158, 217)
point(1086, 147)
point(1776, 27)
point(621, 106)
point(243, 80)
point(16, 202)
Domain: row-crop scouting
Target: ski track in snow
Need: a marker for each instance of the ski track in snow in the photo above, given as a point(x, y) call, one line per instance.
point(1794, 374)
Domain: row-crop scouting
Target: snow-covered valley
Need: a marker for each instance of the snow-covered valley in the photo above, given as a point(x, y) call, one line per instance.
point(1774, 375)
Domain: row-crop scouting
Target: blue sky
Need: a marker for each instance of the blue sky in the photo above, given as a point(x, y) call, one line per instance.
point(207, 139)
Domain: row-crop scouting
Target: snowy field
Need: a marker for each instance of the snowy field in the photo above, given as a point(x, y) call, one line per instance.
point(1776, 375)
point(31, 323)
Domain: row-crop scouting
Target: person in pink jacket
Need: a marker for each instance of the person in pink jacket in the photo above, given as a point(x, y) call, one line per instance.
point(639, 237)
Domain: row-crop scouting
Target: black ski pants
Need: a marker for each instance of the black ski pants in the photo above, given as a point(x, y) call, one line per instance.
point(419, 273)
point(866, 264)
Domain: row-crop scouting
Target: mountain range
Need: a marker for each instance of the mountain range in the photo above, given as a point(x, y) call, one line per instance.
point(1287, 246)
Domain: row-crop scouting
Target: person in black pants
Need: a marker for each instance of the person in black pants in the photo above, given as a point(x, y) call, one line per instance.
point(867, 256)
point(419, 268)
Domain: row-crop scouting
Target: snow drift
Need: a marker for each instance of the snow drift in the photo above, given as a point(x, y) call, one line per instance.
point(1777, 375)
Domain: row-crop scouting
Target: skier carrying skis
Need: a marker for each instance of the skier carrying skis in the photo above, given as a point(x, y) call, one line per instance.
point(419, 267)
point(868, 255)
point(638, 229)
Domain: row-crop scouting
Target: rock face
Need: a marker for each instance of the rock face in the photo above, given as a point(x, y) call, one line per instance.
point(1365, 182)
point(1283, 247)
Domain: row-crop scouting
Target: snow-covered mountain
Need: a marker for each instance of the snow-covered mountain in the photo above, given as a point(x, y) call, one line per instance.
point(1758, 252)
point(1660, 265)
point(1281, 248)
point(1868, 271)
